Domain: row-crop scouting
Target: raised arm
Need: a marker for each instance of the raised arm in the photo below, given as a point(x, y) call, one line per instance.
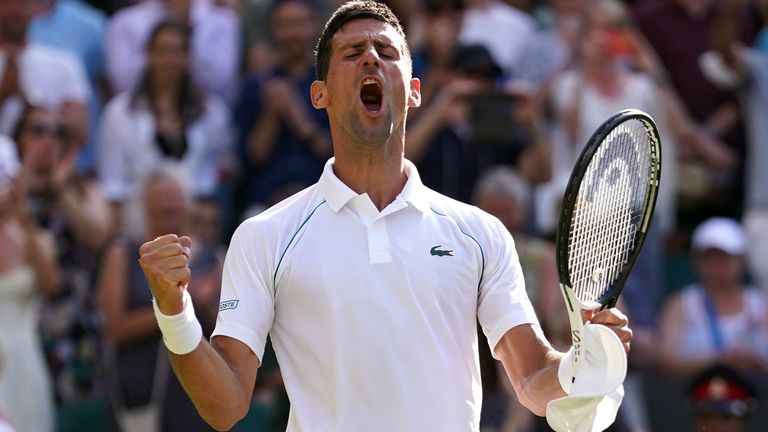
point(725, 39)
point(218, 377)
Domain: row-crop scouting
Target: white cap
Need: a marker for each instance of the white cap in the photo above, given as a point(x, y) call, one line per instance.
point(720, 233)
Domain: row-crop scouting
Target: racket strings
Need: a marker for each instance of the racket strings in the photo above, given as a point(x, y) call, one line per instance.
point(609, 211)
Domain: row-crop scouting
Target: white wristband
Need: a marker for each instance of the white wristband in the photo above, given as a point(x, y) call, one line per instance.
point(181, 332)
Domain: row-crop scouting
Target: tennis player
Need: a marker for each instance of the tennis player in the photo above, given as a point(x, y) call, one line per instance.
point(369, 283)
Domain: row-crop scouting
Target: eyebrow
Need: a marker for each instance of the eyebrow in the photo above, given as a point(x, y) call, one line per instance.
point(377, 43)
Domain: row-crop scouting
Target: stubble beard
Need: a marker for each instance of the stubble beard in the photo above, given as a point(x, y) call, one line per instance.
point(372, 136)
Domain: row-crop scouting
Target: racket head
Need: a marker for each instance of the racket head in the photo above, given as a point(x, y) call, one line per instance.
point(607, 208)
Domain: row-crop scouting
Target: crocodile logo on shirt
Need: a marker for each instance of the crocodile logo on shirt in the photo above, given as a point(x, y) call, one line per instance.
point(438, 252)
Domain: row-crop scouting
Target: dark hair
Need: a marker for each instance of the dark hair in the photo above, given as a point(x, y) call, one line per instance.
point(190, 100)
point(23, 121)
point(353, 10)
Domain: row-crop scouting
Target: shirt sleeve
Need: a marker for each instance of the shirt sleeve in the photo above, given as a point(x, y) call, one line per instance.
point(503, 302)
point(247, 303)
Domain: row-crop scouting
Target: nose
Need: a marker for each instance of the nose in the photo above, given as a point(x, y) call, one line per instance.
point(370, 57)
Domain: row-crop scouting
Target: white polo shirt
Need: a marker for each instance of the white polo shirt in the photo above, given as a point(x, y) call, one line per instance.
point(373, 314)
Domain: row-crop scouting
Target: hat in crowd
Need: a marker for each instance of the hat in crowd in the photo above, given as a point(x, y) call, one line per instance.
point(721, 390)
point(9, 162)
point(474, 60)
point(720, 233)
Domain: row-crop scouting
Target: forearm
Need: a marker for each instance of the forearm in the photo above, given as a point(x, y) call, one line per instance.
point(90, 223)
point(261, 139)
point(535, 163)
point(220, 396)
point(724, 36)
point(531, 371)
point(421, 132)
point(536, 390)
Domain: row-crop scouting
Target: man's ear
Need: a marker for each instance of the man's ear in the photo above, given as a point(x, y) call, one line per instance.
point(414, 98)
point(319, 94)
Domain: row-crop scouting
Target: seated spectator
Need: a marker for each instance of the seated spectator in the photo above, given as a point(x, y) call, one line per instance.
point(721, 400)
point(167, 118)
point(138, 372)
point(719, 319)
point(472, 124)
point(72, 208)
point(214, 47)
point(282, 138)
point(35, 73)
point(28, 271)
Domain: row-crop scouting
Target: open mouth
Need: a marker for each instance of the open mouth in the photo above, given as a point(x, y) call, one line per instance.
point(370, 95)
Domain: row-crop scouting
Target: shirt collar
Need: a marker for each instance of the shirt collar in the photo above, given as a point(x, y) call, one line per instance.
point(337, 194)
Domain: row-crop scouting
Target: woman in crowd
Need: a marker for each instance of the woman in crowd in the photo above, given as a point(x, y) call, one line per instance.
point(72, 207)
point(165, 119)
point(28, 271)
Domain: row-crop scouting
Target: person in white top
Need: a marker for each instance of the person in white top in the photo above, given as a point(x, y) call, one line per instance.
point(38, 74)
point(215, 44)
point(718, 319)
point(369, 283)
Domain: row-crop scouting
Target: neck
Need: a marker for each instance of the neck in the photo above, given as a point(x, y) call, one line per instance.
point(378, 172)
point(164, 89)
point(605, 76)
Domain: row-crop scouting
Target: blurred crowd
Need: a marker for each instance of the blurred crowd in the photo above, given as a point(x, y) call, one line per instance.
point(124, 120)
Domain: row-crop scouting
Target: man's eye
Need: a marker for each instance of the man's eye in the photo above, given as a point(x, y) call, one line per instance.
point(352, 55)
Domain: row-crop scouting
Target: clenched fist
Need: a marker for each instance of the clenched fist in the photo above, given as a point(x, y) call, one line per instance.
point(165, 262)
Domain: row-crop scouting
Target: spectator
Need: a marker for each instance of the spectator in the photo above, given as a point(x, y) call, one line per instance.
point(549, 49)
point(718, 319)
point(432, 56)
point(208, 260)
point(679, 31)
point(167, 118)
point(282, 138)
point(746, 69)
point(35, 73)
point(501, 28)
point(139, 378)
point(473, 124)
point(599, 85)
point(721, 400)
point(28, 271)
point(214, 47)
point(504, 194)
point(72, 208)
point(80, 29)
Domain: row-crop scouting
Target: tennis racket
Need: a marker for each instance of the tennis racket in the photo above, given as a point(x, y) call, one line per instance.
point(607, 208)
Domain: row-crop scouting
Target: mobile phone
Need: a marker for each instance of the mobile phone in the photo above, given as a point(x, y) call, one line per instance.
point(491, 117)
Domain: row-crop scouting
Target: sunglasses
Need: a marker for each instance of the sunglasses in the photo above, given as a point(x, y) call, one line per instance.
point(39, 129)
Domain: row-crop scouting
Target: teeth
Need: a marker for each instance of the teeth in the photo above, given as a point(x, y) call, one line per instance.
point(368, 81)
